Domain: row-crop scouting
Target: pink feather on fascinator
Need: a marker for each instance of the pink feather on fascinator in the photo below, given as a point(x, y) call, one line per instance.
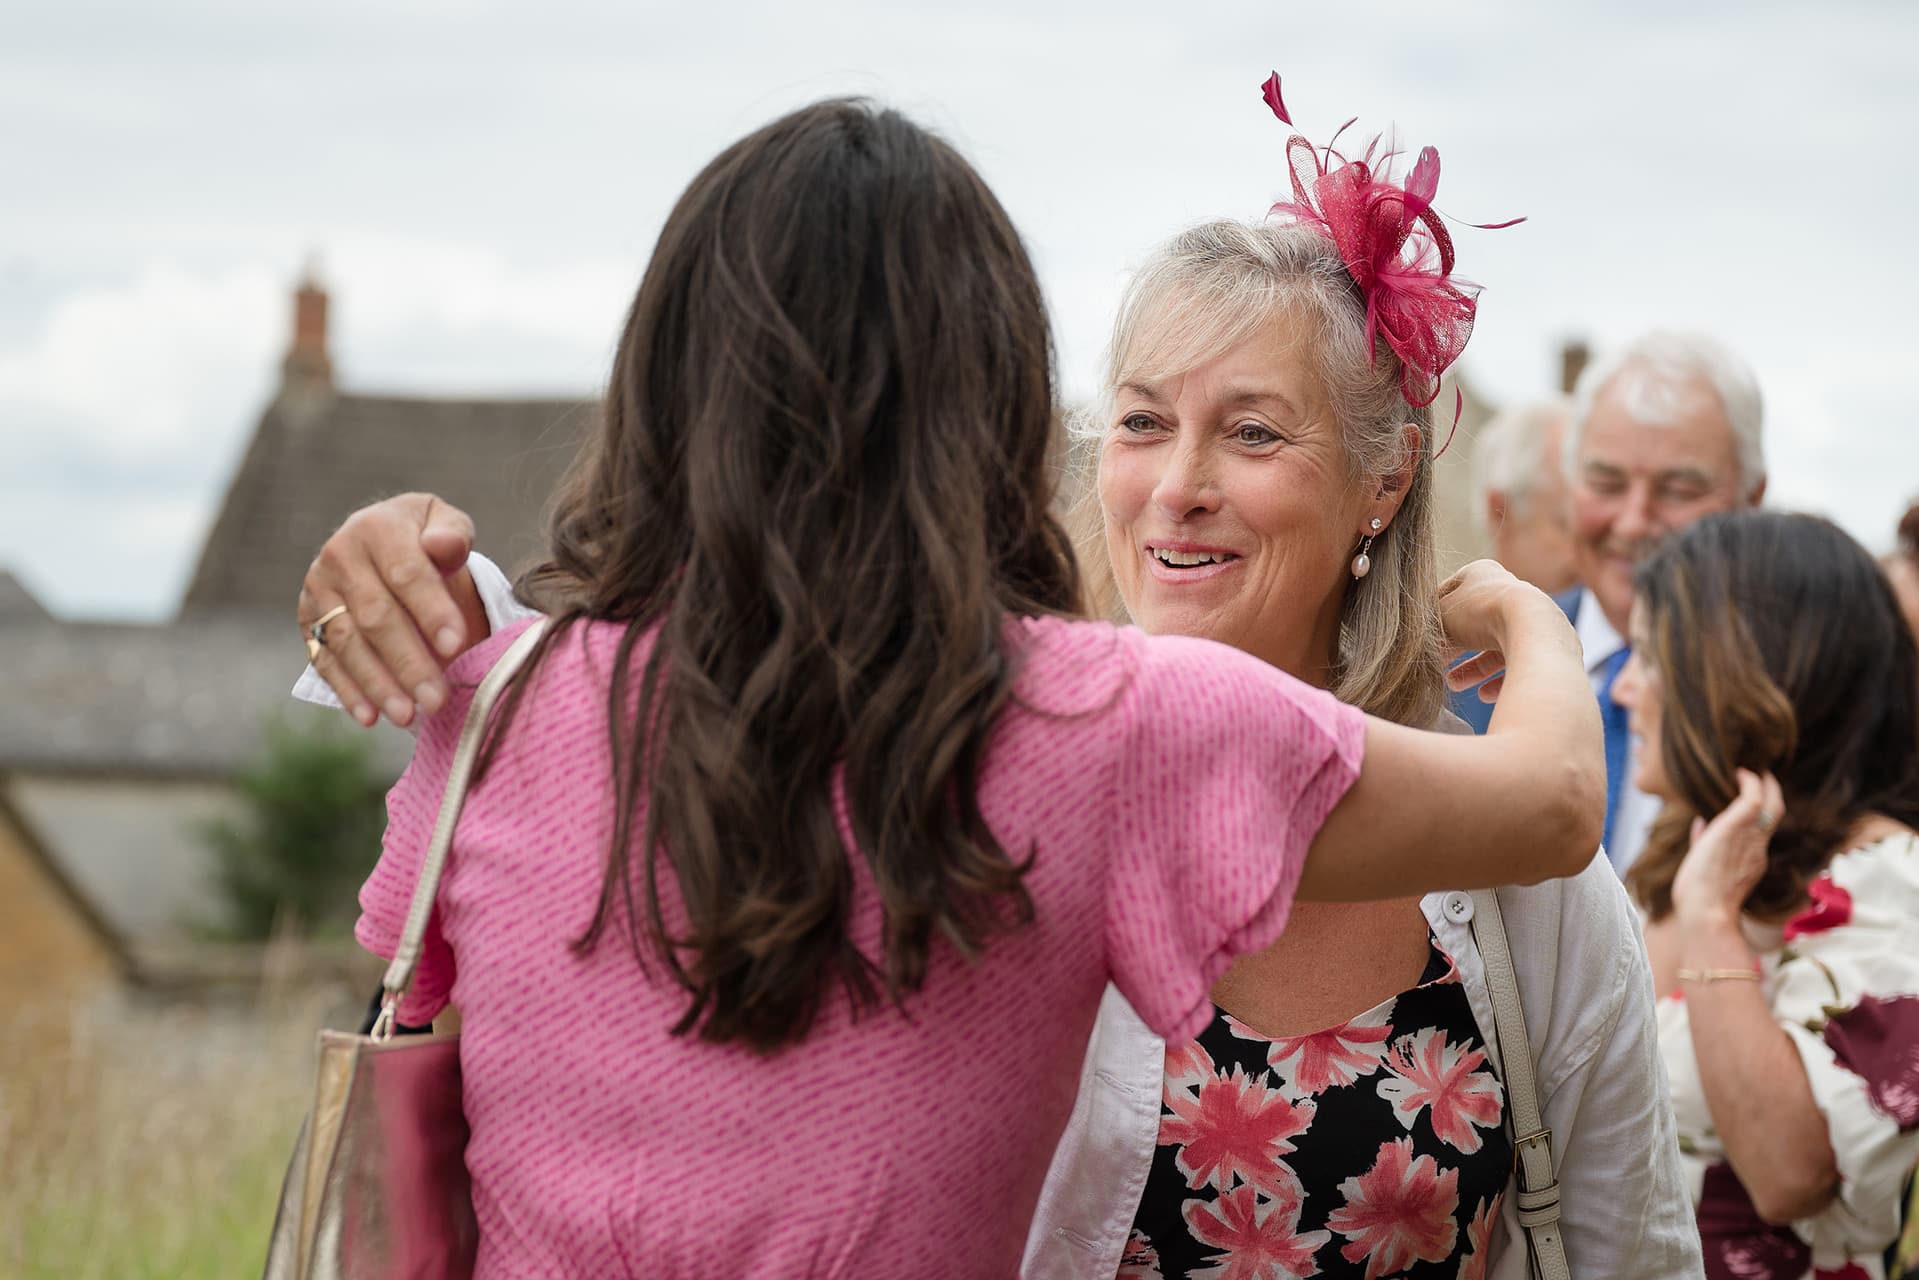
point(1394, 245)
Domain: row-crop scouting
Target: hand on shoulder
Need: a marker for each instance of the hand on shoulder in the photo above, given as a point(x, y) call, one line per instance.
point(399, 568)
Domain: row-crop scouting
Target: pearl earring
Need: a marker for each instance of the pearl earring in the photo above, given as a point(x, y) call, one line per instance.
point(1363, 563)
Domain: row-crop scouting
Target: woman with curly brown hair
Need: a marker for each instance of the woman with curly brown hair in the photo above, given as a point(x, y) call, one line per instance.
point(1777, 691)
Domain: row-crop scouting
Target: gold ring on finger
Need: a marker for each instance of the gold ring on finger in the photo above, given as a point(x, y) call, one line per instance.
point(316, 634)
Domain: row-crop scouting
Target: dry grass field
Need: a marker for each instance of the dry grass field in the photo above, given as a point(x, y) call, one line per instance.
point(142, 1138)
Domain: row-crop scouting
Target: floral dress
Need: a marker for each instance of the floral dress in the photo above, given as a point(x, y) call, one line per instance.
point(1842, 978)
point(1373, 1148)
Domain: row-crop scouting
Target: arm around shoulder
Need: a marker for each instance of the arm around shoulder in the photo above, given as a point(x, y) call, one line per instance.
point(1524, 803)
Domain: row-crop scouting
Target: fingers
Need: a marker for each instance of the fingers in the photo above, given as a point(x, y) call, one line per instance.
point(344, 686)
point(1744, 806)
point(447, 538)
point(376, 654)
point(1480, 667)
point(1773, 801)
point(413, 571)
point(1755, 810)
point(366, 670)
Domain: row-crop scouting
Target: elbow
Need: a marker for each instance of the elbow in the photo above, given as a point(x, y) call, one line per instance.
point(1583, 822)
point(1788, 1195)
point(1572, 826)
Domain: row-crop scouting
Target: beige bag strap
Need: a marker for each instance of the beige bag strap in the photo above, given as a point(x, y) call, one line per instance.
point(399, 974)
point(1532, 1140)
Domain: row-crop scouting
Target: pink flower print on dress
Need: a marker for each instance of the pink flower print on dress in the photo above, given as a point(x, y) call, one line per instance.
point(1309, 1065)
point(1428, 1071)
point(1140, 1261)
point(1258, 1239)
point(1479, 1241)
point(1236, 1126)
point(1398, 1212)
point(1831, 907)
point(1188, 1066)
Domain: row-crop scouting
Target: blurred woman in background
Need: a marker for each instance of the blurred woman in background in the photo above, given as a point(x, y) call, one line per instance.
point(1776, 688)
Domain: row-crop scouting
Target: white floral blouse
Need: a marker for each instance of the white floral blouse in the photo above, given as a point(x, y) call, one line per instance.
point(1842, 978)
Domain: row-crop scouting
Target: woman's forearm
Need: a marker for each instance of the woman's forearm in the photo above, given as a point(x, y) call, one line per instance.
point(1755, 1084)
point(1522, 804)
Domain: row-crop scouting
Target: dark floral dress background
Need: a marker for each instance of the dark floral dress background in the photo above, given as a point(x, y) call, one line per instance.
point(1374, 1148)
point(1842, 979)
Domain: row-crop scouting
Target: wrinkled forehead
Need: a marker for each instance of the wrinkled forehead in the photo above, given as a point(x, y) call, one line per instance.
point(1651, 424)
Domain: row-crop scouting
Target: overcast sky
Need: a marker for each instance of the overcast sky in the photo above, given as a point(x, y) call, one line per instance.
point(482, 183)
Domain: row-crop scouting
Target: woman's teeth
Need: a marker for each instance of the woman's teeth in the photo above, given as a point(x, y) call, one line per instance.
point(1190, 559)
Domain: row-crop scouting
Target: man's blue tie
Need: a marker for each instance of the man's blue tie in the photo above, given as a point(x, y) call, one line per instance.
point(1612, 717)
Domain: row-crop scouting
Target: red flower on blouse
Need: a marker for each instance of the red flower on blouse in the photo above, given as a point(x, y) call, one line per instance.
point(1430, 1071)
point(1878, 1041)
point(1261, 1239)
point(1313, 1063)
point(1399, 1212)
point(1236, 1126)
point(1479, 1240)
point(1831, 907)
point(1188, 1066)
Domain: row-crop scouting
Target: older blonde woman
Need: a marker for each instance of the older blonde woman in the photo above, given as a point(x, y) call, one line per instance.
point(1263, 480)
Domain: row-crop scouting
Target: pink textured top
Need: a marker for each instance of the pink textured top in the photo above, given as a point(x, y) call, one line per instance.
point(1169, 787)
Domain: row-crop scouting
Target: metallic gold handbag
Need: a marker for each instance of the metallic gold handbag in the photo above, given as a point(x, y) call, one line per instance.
point(378, 1188)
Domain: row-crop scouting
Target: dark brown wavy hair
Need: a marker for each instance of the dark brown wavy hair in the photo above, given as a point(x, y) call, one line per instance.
point(823, 475)
point(1779, 646)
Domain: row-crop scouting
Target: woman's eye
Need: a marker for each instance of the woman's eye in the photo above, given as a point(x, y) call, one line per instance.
point(1254, 433)
point(1137, 423)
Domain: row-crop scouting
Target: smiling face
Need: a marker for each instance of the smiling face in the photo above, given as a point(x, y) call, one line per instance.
point(1232, 508)
point(1634, 482)
point(1641, 691)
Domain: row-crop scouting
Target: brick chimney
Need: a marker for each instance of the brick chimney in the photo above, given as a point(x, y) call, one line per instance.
point(307, 365)
point(1573, 357)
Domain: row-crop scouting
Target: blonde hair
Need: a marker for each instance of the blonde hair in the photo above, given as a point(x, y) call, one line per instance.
point(1203, 293)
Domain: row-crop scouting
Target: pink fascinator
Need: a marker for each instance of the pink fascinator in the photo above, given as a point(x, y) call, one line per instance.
point(1394, 245)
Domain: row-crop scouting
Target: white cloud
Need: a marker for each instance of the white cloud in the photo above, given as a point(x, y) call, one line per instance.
point(497, 324)
point(135, 368)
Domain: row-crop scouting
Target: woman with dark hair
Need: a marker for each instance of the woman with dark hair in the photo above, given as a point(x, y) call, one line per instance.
point(1902, 567)
point(814, 829)
point(1776, 687)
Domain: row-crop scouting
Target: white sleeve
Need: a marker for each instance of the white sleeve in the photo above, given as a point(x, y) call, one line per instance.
point(1624, 1210)
point(496, 596)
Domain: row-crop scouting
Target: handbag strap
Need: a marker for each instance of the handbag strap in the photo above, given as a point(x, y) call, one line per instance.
point(406, 957)
point(1538, 1197)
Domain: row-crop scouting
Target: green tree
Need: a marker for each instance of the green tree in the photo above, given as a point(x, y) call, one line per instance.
point(315, 811)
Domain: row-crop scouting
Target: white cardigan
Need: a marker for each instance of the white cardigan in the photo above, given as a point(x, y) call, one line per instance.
point(1587, 993)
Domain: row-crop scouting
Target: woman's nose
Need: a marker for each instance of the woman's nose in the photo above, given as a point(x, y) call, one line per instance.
point(1186, 487)
point(1625, 689)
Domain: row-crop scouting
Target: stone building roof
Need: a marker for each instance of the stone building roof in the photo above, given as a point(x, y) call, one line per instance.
point(129, 699)
point(17, 603)
point(192, 698)
point(317, 455)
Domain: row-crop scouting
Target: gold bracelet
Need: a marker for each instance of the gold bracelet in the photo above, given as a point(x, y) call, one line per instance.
point(1719, 975)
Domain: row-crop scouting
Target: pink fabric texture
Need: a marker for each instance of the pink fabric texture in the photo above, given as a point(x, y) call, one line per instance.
point(1168, 789)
